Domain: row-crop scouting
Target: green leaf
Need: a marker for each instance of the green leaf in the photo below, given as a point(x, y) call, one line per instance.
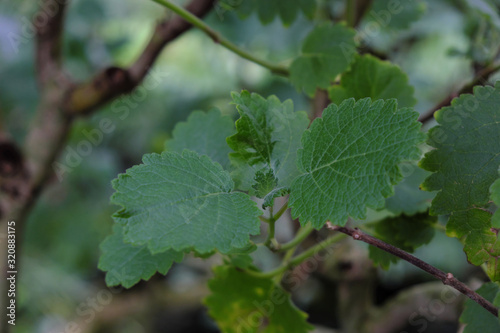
point(243, 261)
point(267, 10)
point(127, 264)
point(495, 197)
point(268, 136)
point(374, 78)
point(465, 163)
point(183, 201)
point(395, 14)
point(243, 303)
point(405, 232)
point(276, 193)
point(326, 52)
point(247, 249)
point(241, 257)
point(476, 317)
point(204, 133)
point(408, 198)
point(350, 160)
point(265, 182)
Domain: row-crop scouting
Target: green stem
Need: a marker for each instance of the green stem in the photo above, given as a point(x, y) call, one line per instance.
point(195, 21)
point(272, 228)
point(271, 242)
point(298, 259)
point(301, 235)
point(280, 212)
point(440, 227)
point(286, 258)
point(264, 219)
point(350, 12)
point(315, 249)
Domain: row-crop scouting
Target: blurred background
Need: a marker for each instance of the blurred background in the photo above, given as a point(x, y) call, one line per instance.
point(60, 283)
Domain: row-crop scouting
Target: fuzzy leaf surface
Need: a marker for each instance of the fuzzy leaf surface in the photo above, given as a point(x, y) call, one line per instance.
point(127, 264)
point(477, 318)
point(268, 137)
point(465, 164)
point(276, 193)
point(371, 77)
point(326, 52)
point(183, 201)
point(265, 182)
point(204, 133)
point(350, 160)
point(243, 303)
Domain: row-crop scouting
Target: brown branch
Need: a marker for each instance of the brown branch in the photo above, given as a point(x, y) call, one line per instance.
point(319, 103)
point(481, 77)
point(60, 100)
point(29, 168)
point(25, 171)
point(446, 278)
point(361, 7)
point(49, 40)
point(113, 81)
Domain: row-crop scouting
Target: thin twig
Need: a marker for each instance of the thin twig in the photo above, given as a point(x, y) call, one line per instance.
point(114, 81)
point(481, 77)
point(286, 265)
point(446, 278)
point(49, 40)
point(218, 38)
point(271, 230)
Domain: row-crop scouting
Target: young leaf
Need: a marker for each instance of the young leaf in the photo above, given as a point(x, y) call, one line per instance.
point(350, 160)
point(408, 198)
point(183, 201)
point(127, 264)
point(265, 182)
point(268, 136)
point(374, 78)
point(269, 9)
point(276, 193)
point(495, 197)
point(476, 317)
point(465, 163)
point(326, 52)
point(204, 133)
point(406, 232)
point(243, 303)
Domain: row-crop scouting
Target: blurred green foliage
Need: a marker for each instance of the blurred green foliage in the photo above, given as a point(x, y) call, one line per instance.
point(61, 249)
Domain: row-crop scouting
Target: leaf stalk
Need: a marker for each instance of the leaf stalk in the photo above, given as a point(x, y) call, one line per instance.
point(218, 38)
